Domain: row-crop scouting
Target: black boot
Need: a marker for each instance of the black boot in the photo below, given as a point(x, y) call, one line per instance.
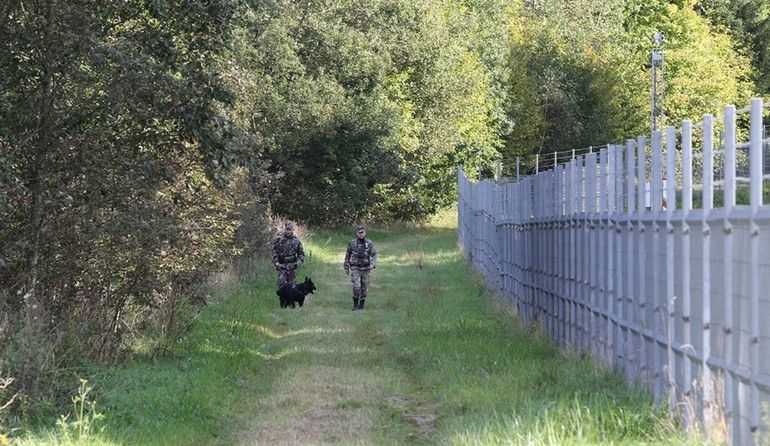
point(361, 303)
point(355, 304)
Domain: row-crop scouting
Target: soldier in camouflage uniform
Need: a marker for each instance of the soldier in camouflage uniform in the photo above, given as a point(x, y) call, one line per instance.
point(288, 255)
point(360, 258)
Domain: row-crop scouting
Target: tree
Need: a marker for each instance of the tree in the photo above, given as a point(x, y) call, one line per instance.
point(748, 21)
point(112, 150)
point(580, 71)
point(356, 106)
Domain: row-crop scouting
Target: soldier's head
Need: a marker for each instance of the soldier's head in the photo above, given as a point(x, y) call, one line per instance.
point(361, 231)
point(288, 229)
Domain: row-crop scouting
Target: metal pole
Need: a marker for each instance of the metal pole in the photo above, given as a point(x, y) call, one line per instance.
point(729, 135)
point(708, 204)
point(687, 330)
point(670, 197)
point(687, 165)
point(657, 61)
point(708, 162)
point(755, 154)
point(732, 415)
point(756, 157)
point(641, 255)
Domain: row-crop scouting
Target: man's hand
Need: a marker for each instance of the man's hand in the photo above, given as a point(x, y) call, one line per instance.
point(347, 271)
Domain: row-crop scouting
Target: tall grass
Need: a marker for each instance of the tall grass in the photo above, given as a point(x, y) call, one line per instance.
point(434, 359)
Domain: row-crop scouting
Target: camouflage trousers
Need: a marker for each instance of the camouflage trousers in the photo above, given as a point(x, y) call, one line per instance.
point(286, 276)
point(360, 279)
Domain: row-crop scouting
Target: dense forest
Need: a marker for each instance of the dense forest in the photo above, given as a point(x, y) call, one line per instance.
point(145, 145)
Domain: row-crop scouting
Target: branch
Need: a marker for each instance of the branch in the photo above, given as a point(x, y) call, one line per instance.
point(4, 383)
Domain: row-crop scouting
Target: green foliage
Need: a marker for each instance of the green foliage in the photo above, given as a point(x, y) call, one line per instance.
point(748, 21)
point(580, 71)
point(356, 105)
point(429, 85)
point(115, 162)
point(703, 69)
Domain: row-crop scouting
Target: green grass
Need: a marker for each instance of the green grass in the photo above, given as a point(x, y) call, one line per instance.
point(434, 359)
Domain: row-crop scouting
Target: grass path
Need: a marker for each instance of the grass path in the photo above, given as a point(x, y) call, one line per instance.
point(432, 360)
point(349, 377)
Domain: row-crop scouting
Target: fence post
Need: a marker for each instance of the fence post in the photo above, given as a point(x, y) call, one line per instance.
point(562, 255)
point(669, 296)
point(729, 120)
point(641, 254)
point(630, 355)
point(590, 267)
point(616, 285)
point(604, 255)
point(686, 165)
point(584, 253)
point(670, 198)
point(756, 155)
point(518, 164)
point(656, 188)
point(729, 302)
point(613, 260)
point(708, 204)
point(686, 273)
point(641, 173)
point(657, 293)
point(708, 162)
point(573, 273)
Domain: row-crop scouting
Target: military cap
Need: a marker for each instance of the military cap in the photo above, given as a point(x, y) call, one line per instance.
point(288, 225)
point(360, 228)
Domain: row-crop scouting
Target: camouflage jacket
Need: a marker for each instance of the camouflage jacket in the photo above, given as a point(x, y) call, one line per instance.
point(288, 251)
point(360, 254)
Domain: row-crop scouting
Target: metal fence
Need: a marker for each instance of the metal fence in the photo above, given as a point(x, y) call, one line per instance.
point(622, 254)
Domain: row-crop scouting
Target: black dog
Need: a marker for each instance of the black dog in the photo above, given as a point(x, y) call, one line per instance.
point(291, 294)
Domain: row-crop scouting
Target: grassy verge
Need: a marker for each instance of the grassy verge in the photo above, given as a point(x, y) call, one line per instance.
point(432, 360)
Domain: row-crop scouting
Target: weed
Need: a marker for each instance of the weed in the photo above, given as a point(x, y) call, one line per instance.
point(79, 426)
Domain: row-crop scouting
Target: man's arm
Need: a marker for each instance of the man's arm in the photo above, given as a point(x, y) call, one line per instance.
point(373, 255)
point(275, 252)
point(346, 265)
point(300, 254)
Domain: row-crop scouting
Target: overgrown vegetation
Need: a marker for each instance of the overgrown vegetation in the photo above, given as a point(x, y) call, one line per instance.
point(434, 359)
point(147, 145)
point(116, 205)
